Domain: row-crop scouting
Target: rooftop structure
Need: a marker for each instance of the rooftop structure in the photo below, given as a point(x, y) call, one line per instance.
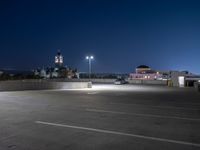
point(143, 69)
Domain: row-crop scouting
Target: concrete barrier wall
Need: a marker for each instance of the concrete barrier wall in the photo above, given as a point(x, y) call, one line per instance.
point(155, 82)
point(40, 85)
point(151, 82)
point(135, 81)
point(85, 80)
point(103, 80)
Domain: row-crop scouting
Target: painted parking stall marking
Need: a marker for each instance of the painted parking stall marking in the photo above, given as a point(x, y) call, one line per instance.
point(119, 133)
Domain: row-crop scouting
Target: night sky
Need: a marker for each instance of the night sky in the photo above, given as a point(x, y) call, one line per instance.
point(121, 34)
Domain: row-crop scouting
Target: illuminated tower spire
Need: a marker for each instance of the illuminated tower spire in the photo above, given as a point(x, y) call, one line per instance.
point(59, 59)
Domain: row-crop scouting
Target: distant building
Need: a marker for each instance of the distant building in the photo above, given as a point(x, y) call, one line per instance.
point(142, 69)
point(58, 71)
point(36, 72)
point(43, 73)
point(144, 72)
point(183, 78)
point(59, 59)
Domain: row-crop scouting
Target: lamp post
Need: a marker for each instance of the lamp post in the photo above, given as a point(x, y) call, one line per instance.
point(90, 58)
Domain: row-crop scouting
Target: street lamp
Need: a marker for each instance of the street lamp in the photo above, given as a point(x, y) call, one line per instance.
point(90, 58)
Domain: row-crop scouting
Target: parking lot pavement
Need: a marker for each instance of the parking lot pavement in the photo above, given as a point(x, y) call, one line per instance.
point(114, 117)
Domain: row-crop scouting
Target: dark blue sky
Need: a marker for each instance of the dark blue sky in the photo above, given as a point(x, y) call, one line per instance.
point(121, 34)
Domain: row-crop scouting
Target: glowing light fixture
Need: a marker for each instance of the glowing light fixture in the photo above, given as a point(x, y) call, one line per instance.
point(90, 58)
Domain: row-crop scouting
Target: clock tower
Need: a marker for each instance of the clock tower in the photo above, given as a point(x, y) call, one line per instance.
point(59, 59)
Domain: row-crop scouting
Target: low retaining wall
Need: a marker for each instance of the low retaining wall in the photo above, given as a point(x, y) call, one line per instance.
point(41, 85)
point(103, 80)
point(86, 80)
point(151, 82)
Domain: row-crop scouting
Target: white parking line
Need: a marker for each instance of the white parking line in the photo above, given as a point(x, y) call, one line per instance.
point(163, 107)
point(119, 133)
point(141, 115)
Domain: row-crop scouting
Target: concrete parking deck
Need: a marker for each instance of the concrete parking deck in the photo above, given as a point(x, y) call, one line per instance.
point(114, 117)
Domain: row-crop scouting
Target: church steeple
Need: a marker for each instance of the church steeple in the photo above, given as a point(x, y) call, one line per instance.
point(59, 59)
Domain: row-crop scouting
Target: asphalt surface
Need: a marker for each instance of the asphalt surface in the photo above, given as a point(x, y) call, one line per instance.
point(107, 117)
